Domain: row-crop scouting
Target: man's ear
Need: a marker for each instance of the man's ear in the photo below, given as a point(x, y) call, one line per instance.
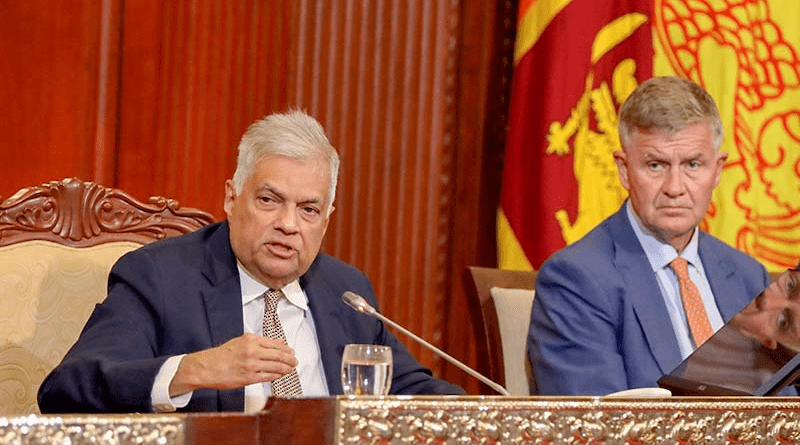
point(230, 197)
point(721, 158)
point(621, 159)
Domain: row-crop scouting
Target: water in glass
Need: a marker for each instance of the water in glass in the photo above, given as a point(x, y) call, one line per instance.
point(366, 370)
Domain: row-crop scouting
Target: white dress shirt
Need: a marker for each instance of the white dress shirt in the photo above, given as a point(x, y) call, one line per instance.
point(660, 255)
point(298, 325)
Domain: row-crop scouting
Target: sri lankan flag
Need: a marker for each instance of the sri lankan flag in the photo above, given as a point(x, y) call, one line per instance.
point(576, 61)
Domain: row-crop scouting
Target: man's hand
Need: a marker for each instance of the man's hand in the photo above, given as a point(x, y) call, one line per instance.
point(241, 361)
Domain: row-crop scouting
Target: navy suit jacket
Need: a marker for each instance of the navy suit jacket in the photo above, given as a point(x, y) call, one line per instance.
point(183, 295)
point(599, 323)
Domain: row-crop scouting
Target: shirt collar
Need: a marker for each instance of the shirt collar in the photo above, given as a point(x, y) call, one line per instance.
point(252, 289)
point(660, 254)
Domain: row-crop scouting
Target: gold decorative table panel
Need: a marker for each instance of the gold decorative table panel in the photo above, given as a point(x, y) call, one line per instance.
point(93, 430)
point(469, 420)
point(575, 421)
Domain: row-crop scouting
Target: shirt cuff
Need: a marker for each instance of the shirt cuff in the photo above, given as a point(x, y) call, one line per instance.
point(159, 395)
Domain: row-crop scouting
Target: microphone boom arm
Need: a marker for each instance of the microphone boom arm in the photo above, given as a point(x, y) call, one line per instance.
point(445, 355)
point(358, 303)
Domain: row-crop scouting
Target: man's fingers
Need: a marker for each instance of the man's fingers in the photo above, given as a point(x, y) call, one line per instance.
point(273, 371)
point(277, 350)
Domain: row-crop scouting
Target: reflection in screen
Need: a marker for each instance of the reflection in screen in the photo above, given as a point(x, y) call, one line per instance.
point(756, 344)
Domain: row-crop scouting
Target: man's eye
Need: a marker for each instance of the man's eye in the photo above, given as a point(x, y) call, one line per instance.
point(654, 165)
point(311, 210)
point(694, 164)
point(782, 321)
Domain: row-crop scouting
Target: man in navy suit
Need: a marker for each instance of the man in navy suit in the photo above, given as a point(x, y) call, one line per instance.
point(181, 328)
point(608, 314)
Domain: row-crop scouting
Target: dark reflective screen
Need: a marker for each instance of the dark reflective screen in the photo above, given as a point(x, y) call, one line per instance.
point(755, 353)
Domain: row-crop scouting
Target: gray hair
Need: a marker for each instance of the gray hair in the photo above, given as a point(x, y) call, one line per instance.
point(293, 134)
point(668, 104)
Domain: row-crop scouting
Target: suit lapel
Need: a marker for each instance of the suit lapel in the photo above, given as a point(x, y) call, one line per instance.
point(322, 303)
point(720, 272)
point(644, 293)
point(223, 304)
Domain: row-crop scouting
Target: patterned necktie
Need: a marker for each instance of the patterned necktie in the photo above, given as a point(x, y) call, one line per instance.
point(289, 384)
point(692, 303)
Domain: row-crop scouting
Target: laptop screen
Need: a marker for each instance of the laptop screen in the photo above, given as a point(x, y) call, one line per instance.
point(756, 353)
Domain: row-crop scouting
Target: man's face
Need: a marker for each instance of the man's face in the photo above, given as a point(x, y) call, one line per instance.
point(774, 316)
point(670, 179)
point(279, 219)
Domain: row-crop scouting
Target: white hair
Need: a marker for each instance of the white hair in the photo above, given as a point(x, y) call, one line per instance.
point(293, 134)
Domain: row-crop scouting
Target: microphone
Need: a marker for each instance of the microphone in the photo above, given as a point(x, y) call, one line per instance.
point(358, 303)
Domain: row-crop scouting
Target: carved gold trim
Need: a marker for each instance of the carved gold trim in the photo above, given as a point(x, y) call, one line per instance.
point(584, 420)
point(82, 214)
point(94, 430)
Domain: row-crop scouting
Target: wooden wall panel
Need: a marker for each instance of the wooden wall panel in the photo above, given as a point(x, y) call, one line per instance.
point(195, 75)
point(55, 90)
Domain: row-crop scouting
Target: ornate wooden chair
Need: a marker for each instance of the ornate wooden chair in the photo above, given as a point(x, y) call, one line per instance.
point(505, 298)
point(58, 242)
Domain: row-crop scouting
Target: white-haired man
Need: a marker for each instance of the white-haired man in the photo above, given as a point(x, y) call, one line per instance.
point(184, 325)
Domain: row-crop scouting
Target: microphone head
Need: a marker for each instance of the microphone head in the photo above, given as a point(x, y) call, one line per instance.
point(357, 302)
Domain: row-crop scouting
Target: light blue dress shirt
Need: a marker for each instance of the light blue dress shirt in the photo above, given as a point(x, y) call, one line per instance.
point(660, 255)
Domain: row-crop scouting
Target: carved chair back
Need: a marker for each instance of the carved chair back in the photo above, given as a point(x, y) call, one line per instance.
point(58, 242)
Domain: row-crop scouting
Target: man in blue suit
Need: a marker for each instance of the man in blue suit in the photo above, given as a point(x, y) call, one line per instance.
point(181, 328)
point(608, 314)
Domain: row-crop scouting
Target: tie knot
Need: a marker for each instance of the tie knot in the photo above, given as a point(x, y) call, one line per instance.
point(681, 267)
point(272, 297)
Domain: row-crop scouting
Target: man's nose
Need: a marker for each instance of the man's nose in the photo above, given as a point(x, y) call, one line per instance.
point(287, 218)
point(673, 182)
point(769, 343)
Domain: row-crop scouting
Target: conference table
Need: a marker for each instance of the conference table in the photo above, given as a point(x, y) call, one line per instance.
point(461, 420)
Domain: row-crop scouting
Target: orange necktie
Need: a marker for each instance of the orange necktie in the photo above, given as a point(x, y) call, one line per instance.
point(692, 303)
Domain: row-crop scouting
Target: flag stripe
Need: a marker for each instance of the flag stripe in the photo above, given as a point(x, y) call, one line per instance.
point(533, 22)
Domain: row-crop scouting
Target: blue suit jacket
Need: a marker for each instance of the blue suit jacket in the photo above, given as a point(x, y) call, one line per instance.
point(183, 295)
point(599, 323)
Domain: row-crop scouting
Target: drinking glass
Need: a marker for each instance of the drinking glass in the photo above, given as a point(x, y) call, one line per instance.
point(366, 370)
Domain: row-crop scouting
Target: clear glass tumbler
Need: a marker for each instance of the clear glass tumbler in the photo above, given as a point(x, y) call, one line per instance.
point(366, 370)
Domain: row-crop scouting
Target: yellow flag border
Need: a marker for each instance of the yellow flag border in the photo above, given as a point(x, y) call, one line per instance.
point(510, 255)
point(534, 22)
